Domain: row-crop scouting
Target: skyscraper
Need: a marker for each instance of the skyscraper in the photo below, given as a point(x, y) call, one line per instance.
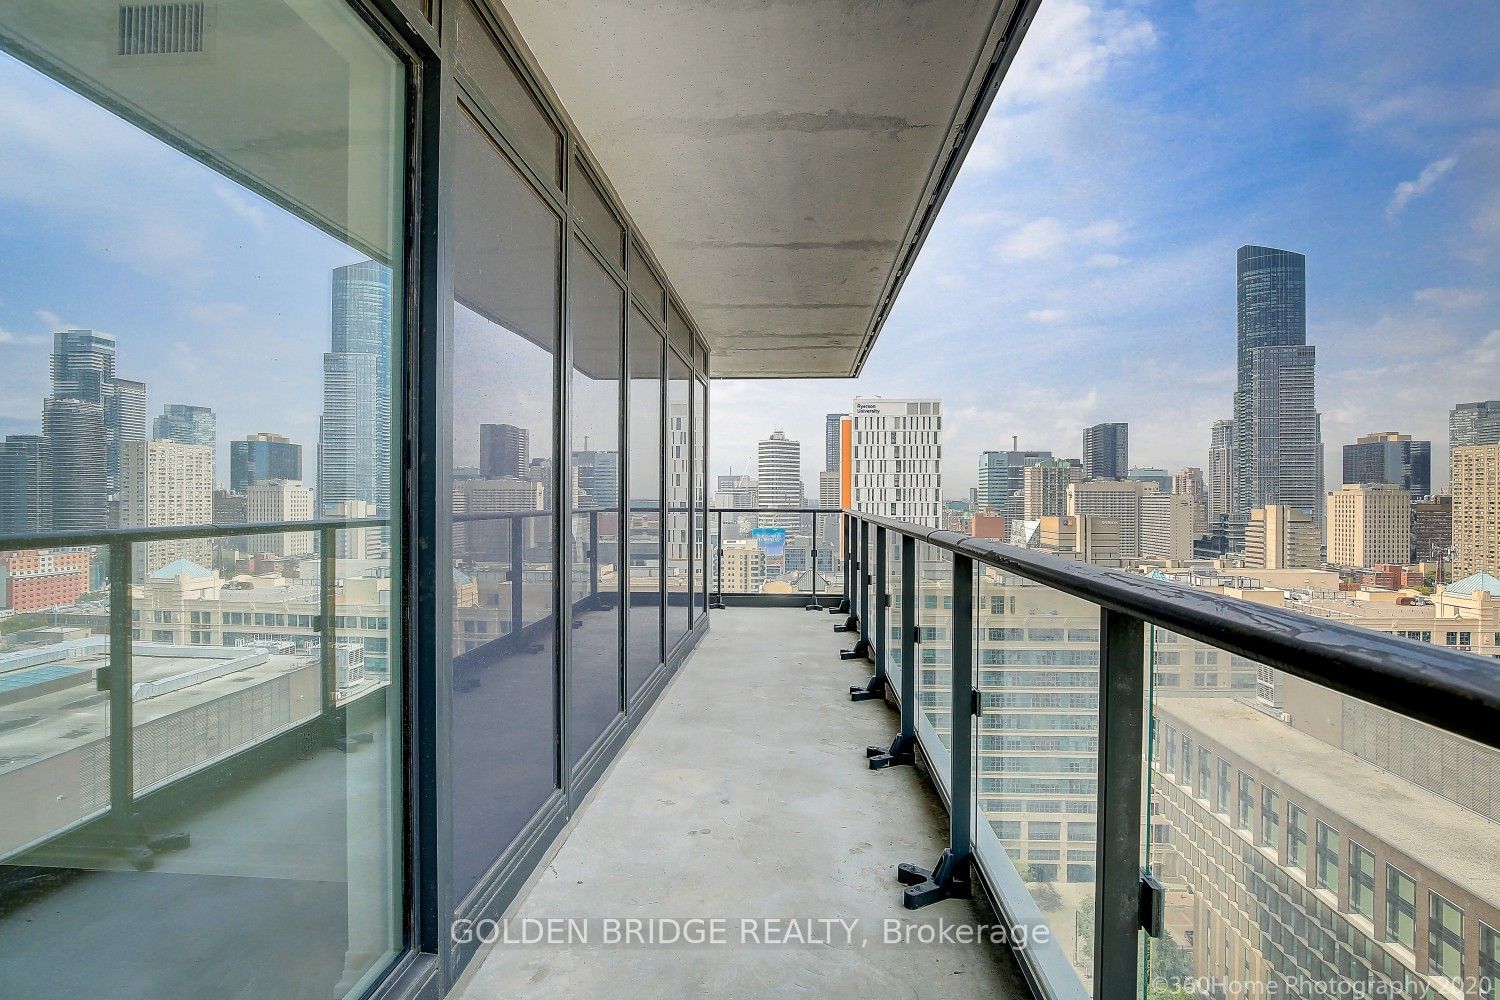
point(1278, 457)
point(504, 451)
point(1471, 424)
point(778, 468)
point(831, 425)
point(271, 500)
point(1002, 479)
point(263, 456)
point(1388, 457)
point(1106, 451)
point(25, 484)
point(1221, 469)
point(83, 368)
point(1476, 498)
point(896, 458)
point(1189, 482)
point(1044, 487)
point(185, 424)
point(77, 476)
point(166, 483)
point(354, 444)
point(1369, 525)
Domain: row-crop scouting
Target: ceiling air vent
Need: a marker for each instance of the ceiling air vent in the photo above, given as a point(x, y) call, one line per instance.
point(160, 28)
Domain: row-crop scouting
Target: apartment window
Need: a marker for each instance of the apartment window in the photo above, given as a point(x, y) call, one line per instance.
point(1327, 858)
point(1400, 908)
point(1186, 776)
point(1445, 938)
point(1246, 814)
point(1221, 789)
point(1203, 773)
point(1081, 831)
point(1296, 837)
point(1489, 962)
point(1361, 881)
point(1045, 830)
point(1171, 756)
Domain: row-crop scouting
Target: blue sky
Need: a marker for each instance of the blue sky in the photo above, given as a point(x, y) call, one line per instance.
point(1083, 267)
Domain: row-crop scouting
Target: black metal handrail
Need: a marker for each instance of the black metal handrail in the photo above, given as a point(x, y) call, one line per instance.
point(1452, 690)
point(178, 532)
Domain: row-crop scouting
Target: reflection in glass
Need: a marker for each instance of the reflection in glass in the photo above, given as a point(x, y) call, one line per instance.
point(253, 807)
point(700, 494)
point(644, 629)
point(1037, 670)
point(595, 304)
point(934, 651)
point(678, 496)
point(504, 501)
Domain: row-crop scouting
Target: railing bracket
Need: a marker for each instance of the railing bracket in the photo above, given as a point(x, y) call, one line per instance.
point(901, 751)
point(861, 651)
point(948, 880)
point(851, 624)
point(874, 688)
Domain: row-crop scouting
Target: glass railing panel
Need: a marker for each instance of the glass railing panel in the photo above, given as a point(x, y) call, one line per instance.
point(1036, 665)
point(934, 650)
point(229, 691)
point(891, 641)
point(1309, 839)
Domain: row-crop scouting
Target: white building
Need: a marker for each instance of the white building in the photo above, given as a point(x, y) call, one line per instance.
point(167, 483)
point(743, 567)
point(1116, 498)
point(778, 468)
point(280, 500)
point(897, 454)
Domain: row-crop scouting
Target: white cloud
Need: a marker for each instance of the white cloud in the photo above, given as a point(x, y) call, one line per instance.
point(1424, 181)
point(1451, 298)
point(1046, 315)
point(1047, 237)
point(250, 211)
point(7, 338)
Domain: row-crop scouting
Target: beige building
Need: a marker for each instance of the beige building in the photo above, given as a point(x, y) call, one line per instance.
point(1087, 539)
point(1167, 526)
point(1369, 525)
point(167, 483)
point(270, 500)
point(1281, 537)
point(743, 567)
point(1045, 487)
point(1476, 509)
point(1188, 481)
point(1114, 498)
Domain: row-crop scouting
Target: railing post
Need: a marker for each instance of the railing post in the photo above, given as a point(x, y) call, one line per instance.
point(902, 748)
point(846, 602)
point(860, 615)
point(719, 565)
point(850, 604)
point(949, 878)
point(812, 602)
point(327, 566)
point(1117, 892)
point(121, 679)
point(517, 567)
point(875, 687)
point(593, 557)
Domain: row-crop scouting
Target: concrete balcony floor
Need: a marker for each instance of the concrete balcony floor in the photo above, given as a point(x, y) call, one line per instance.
point(746, 794)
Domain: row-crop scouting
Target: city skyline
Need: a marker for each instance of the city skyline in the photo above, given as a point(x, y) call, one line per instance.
point(1112, 229)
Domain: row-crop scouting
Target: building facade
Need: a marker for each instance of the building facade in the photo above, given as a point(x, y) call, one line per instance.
point(1471, 424)
point(1388, 457)
point(1282, 537)
point(778, 472)
point(1045, 487)
point(1369, 525)
point(166, 483)
point(263, 456)
point(1002, 480)
point(896, 458)
point(1106, 451)
point(1476, 509)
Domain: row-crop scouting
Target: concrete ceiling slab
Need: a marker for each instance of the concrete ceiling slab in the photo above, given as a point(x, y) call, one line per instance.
point(783, 159)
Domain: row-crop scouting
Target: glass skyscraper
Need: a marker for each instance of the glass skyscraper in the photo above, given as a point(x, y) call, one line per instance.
point(354, 440)
point(1278, 442)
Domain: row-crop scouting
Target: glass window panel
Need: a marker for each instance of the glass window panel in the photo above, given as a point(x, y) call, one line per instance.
point(678, 497)
point(679, 335)
point(596, 305)
point(700, 493)
point(236, 229)
point(647, 287)
point(506, 246)
point(645, 624)
point(594, 214)
point(526, 123)
point(934, 653)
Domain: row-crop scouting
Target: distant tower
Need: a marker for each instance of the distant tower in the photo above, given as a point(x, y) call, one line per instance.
point(83, 368)
point(1106, 451)
point(1278, 441)
point(778, 465)
point(354, 443)
point(504, 451)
